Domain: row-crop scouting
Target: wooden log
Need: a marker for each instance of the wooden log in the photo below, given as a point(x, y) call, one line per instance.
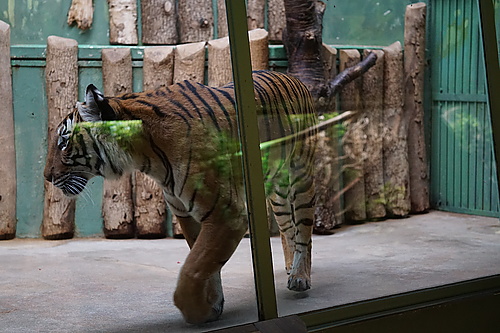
point(414, 67)
point(256, 14)
point(159, 22)
point(395, 148)
point(354, 142)
point(373, 104)
point(117, 203)
point(7, 149)
point(81, 12)
point(219, 58)
point(189, 62)
point(158, 67)
point(259, 49)
point(328, 212)
point(149, 205)
point(276, 19)
point(61, 78)
point(122, 22)
point(222, 30)
point(196, 20)
point(219, 62)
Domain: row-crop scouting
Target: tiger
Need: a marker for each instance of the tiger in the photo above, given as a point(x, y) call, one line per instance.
point(185, 146)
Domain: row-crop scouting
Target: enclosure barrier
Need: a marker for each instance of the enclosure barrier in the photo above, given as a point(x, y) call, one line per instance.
point(374, 159)
point(7, 149)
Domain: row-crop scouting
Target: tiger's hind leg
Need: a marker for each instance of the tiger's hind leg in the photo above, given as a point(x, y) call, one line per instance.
point(303, 202)
point(282, 211)
point(294, 212)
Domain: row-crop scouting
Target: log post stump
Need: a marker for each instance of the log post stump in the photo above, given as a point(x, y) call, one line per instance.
point(7, 148)
point(123, 22)
point(255, 14)
point(373, 103)
point(222, 29)
point(61, 77)
point(276, 19)
point(327, 176)
point(354, 142)
point(149, 204)
point(117, 203)
point(414, 71)
point(259, 49)
point(189, 64)
point(219, 57)
point(219, 62)
point(159, 22)
point(396, 167)
point(196, 20)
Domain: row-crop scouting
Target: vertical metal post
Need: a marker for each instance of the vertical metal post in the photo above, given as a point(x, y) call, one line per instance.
point(492, 67)
point(252, 165)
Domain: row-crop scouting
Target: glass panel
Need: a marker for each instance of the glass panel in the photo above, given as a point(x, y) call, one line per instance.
point(369, 240)
point(358, 253)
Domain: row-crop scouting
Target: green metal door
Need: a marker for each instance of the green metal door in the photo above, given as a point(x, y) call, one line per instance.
point(463, 174)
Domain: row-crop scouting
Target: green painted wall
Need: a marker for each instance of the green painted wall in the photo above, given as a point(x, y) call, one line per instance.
point(32, 21)
point(354, 22)
point(463, 174)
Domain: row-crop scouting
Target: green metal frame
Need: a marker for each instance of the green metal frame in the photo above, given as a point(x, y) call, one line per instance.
point(252, 165)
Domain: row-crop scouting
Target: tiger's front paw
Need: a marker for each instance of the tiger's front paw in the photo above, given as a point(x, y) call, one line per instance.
point(298, 283)
point(199, 301)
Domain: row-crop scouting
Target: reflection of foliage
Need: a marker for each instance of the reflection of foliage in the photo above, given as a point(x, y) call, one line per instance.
point(224, 155)
point(464, 124)
point(339, 128)
point(123, 132)
point(221, 154)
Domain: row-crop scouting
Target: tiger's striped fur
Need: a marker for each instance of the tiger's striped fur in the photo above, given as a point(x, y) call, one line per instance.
point(187, 148)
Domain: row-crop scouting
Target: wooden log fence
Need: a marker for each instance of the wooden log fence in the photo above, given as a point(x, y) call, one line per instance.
point(375, 160)
point(354, 142)
point(414, 67)
point(395, 132)
point(61, 78)
point(372, 91)
point(150, 207)
point(7, 151)
point(329, 212)
point(159, 24)
point(117, 203)
point(123, 22)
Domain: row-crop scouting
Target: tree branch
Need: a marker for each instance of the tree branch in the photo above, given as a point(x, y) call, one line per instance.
point(350, 74)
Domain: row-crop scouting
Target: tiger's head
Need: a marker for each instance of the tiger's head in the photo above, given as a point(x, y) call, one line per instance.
point(75, 155)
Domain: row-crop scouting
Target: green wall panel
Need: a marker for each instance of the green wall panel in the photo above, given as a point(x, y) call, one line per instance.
point(354, 22)
point(30, 119)
point(88, 216)
point(463, 174)
point(364, 22)
point(32, 21)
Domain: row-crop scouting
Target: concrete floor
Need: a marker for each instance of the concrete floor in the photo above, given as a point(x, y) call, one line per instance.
point(98, 285)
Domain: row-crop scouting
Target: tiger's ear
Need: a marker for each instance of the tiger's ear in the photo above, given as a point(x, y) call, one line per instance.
point(96, 106)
